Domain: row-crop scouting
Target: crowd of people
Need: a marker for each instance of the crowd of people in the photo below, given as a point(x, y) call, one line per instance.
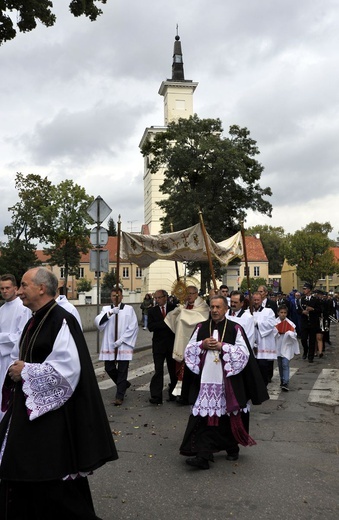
point(219, 355)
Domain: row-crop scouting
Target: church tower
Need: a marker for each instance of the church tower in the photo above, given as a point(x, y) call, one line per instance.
point(178, 103)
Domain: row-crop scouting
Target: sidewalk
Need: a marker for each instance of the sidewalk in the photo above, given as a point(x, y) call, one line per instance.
point(144, 341)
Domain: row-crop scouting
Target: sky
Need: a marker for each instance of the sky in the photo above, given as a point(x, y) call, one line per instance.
point(76, 98)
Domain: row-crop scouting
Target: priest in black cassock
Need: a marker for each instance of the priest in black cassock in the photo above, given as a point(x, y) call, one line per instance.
point(226, 379)
point(55, 431)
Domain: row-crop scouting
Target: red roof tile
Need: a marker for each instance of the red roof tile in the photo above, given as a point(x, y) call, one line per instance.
point(255, 250)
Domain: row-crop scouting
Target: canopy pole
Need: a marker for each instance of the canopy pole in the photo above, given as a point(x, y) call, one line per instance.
point(208, 251)
point(246, 265)
point(176, 263)
point(117, 284)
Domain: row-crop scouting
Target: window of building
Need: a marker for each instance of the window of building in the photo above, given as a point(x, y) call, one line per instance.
point(81, 272)
point(62, 272)
point(125, 272)
point(138, 272)
point(247, 271)
point(256, 271)
point(96, 274)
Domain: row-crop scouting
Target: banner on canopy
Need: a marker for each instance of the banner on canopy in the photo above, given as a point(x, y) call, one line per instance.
point(187, 245)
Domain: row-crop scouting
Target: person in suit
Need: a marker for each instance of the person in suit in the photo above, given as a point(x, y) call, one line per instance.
point(162, 347)
point(309, 312)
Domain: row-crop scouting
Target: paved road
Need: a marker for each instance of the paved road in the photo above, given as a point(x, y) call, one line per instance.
point(292, 472)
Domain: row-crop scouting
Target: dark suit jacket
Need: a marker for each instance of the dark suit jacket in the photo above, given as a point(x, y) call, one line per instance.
point(270, 304)
point(163, 337)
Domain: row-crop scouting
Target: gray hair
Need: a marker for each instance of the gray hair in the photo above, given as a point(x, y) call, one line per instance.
point(46, 277)
point(219, 297)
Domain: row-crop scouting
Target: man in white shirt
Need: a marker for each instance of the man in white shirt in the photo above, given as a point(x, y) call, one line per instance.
point(13, 318)
point(120, 325)
point(264, 345)
point(240, 315)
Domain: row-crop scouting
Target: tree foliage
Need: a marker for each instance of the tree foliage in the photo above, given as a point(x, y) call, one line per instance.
point(308, 249)
point(30, 219)
point(203, 170)
point(29, 12)
point(273, 239)
point(52, 214)
point(68, 233)
point(254, 284)
point(108, 283)
point(112, 230)
point(16, 257)
point(84, 285)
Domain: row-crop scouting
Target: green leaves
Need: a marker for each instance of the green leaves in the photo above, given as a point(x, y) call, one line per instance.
point(52, 214)
point(308, 249)
point(28, 12)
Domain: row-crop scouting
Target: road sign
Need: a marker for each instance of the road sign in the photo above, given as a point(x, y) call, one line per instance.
point(99, 237)
point(99, 210)
point(102, 265)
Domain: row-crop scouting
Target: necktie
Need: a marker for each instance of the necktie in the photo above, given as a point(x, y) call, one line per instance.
point(163, 312)
point(233, 313)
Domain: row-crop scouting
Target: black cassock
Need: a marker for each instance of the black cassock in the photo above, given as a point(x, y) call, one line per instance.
point(200, 437)
point(74, 438)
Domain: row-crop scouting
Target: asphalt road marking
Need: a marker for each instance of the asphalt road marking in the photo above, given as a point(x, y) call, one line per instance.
point(273, 388)
point(132, 374)
point(326, 388)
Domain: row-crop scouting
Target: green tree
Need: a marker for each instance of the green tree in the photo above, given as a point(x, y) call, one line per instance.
point(52, 214)
point(203, 170)
point(29, 12)
point(108, 282)
point(84, 285)
point(16, 257)
point(68, 232)
point(308, 249)
point(112, 230)
point(273, 239)
point(254, 284)
point(30, 219)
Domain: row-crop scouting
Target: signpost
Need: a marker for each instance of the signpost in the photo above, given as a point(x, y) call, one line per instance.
point(99, 260)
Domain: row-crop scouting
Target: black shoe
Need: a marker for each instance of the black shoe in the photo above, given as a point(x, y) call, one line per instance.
point(233, 457)
point(198, 462)
point(310, 360)
point(128, 384)
point(154, 400)
point(171, 398)
point(321, 355)
point(284, 388)
point(304, 356)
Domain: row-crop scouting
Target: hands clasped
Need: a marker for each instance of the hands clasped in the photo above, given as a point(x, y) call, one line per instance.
point(211, 344)
point(15, 370)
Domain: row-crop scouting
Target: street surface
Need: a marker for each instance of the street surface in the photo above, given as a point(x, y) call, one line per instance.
point(292, 472)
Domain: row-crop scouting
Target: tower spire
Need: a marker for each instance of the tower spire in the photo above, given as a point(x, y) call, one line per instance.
point(178, 63)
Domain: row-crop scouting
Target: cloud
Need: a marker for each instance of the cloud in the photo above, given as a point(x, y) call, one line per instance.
point(75, 99)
